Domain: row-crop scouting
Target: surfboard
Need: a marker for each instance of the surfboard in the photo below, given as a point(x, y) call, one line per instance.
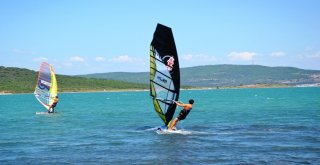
point(42, 113)
point(164, 130)
point(45, 113)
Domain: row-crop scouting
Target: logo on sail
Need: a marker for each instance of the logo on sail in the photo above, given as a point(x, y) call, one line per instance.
point(162, 79)
point(44, 84)
point(170, 62)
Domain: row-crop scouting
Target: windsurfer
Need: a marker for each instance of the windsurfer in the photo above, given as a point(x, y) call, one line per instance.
point(183, 113)
point(54, 104)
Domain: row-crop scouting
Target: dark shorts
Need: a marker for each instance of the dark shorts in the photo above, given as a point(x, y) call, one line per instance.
point(183, 114)
point(54, 105)
point(52, 108)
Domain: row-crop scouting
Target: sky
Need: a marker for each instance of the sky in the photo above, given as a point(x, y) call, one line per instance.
point(98, 36)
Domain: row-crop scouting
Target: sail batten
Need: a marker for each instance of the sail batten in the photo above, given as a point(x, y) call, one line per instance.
point(164, 73)
point(159, 72)
point(163, 86)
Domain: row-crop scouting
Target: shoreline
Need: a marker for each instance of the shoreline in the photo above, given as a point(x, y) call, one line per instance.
point(120, 90)
point(183, 89)
point(85, 91)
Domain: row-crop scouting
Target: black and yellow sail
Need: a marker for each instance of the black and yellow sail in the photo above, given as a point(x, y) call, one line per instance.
point(164, 73)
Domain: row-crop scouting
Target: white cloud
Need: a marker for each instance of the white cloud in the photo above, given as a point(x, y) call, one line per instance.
point(122, 58)
point(241, 56)
point(189, 60)
point(278, 54)
point(99, 59)
point(76, 59)
point(310, 53)
point(40, 59)
point(314, 55)
point(198, 58)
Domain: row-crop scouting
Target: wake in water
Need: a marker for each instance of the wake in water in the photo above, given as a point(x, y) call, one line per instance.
point(178, 131)
point(166, 131)
point(195, 130)
point(161, 130)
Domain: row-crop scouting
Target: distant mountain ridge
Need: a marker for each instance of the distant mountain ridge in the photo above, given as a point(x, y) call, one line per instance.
point(226, 75)
point(19, 80)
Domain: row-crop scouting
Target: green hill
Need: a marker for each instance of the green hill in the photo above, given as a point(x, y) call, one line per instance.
point(17, 80)
point(227, 75)
point(230, 75)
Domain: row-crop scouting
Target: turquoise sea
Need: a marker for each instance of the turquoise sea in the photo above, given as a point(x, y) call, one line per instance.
point(226, 126)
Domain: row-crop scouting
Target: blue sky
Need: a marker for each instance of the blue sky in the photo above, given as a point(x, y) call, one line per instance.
point(91, 36)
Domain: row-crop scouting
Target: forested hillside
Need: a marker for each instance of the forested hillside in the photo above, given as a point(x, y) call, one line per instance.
point(227, 75)
point(17, 80)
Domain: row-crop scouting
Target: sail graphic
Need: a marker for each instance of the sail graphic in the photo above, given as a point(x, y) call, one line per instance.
point(46, 87)
point(164, 73)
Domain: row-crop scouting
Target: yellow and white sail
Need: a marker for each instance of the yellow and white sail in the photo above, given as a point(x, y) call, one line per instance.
point(46, 87)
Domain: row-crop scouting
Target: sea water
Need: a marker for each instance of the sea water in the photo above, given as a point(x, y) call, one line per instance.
point(226, 126)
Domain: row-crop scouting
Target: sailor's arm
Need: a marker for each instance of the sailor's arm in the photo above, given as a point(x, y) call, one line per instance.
point(179, 104)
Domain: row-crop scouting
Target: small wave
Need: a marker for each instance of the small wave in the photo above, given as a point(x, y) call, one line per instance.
point(183, 132)
point(148, 128)
point(178, 131)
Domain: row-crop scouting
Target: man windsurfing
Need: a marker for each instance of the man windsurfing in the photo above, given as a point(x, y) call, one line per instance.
point(54, 104)
point(183, 113)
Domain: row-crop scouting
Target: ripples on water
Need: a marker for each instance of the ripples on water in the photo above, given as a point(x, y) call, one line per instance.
point(248, 126)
